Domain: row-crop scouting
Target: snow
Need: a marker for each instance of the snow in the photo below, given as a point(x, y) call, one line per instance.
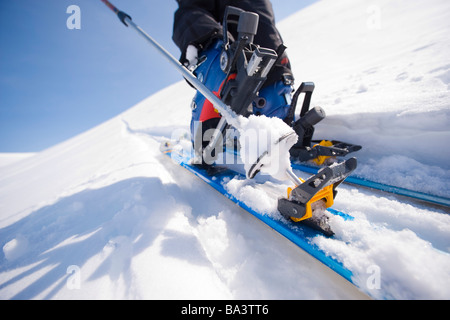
point(105, 215)
point(9, 158)
point(270, 137)
point(382, 80)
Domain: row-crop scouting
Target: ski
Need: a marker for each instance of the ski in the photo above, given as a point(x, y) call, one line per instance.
point(359, 181)
point(298, 233)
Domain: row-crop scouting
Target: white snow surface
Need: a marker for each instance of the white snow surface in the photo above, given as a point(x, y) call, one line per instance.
point(382, 71)
point(9, 158)
point(105, 215)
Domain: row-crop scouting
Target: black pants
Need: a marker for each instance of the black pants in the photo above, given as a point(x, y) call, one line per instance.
point(198, 22)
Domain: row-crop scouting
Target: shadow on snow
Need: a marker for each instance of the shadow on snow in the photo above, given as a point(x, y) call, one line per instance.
point(125, 218)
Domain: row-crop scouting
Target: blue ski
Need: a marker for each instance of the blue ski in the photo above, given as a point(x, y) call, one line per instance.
point(300, 235)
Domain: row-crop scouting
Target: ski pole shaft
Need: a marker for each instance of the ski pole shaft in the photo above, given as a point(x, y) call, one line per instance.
point(110, 5)
point(228, 115)
point(224, 110)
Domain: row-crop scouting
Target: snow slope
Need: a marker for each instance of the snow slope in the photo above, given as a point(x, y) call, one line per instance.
point(105, 215)
point(10, 158)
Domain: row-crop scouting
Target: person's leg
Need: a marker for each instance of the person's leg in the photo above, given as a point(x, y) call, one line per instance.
point(195, 24)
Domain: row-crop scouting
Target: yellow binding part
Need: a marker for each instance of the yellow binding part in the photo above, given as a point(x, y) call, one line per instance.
point(325, 194)
point(321, 159)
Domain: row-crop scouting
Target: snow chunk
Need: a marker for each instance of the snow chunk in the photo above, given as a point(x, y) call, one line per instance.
point(212, 233)
point(253, 195)
point(260, 134)
point(15, 248)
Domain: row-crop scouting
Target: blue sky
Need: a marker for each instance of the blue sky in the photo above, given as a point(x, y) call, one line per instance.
point(56, 83)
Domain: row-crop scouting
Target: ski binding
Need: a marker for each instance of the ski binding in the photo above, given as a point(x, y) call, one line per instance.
point(307, 202)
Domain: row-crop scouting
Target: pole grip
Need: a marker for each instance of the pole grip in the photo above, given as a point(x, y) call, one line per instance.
point(120, 14)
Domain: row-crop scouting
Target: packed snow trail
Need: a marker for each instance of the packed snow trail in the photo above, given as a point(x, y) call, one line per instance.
point(103, 216)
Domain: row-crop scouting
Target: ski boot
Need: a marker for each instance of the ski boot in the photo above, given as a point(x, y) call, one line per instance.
point(205, 118)
point(236, 73)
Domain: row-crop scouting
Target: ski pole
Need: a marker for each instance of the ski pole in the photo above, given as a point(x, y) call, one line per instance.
point(229, 115)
